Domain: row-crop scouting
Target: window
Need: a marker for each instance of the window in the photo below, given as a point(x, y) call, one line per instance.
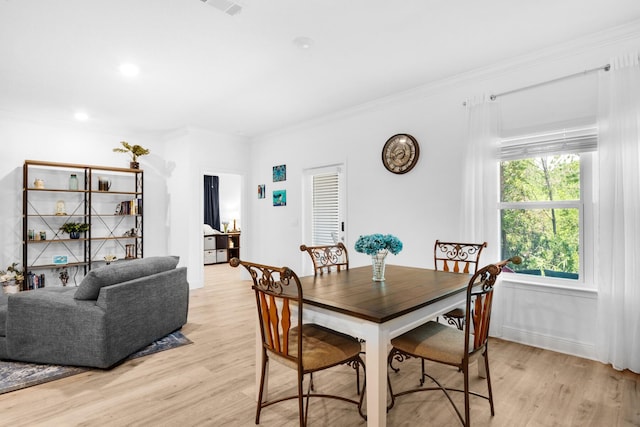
point(543, 188)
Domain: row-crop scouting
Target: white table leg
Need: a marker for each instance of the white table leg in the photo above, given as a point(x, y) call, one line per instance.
point(376, 361)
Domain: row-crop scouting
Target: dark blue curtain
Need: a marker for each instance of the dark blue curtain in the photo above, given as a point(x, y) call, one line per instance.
point(211, 202)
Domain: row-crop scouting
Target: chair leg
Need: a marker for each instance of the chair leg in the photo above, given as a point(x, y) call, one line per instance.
point(301, 412)
point(465, 372)
point(422, 377)
point(260, 392)
point(486, 365)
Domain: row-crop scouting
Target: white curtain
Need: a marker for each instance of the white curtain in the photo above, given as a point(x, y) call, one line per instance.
point(479, 214)
point(618, 216)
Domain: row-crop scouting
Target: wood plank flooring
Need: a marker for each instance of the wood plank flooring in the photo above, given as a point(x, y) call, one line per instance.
point(211, 383)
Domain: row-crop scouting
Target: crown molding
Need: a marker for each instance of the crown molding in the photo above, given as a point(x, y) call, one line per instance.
point(560, 51)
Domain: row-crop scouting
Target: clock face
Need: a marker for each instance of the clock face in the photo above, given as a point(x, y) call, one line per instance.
point(400, 153)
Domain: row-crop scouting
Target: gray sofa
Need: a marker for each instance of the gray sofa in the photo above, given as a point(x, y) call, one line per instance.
point(115, 311)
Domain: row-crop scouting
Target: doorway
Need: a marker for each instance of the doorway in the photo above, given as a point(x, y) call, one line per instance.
point(222, 237)
point(324, 208)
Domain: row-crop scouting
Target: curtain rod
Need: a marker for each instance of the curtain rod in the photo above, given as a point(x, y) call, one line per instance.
point(604, 67)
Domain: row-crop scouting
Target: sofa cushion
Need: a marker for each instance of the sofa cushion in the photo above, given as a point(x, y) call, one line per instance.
point(122, 272)
point(4, 301)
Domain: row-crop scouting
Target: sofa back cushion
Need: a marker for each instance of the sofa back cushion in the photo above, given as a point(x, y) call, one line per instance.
point(122, 271)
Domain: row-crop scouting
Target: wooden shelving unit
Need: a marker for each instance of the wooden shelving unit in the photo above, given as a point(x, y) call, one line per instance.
point(108, 199)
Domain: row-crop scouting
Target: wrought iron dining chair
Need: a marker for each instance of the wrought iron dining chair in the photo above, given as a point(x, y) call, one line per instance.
point(326, 257)
point(458, 258)
point(303, 347)
point(443, 344)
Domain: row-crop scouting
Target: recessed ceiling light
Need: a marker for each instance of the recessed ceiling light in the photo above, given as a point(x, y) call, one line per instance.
point(303, 42)
point(129, 70)
point(81, 116)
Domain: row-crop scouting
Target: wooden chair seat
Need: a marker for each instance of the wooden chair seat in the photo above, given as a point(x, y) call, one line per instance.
point(433, 341)
point(321, 348)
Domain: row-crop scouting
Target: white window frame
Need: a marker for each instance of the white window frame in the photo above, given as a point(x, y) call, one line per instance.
point(553, 145)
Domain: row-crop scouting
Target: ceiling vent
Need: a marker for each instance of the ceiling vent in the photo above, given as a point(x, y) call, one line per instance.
point(228, 7)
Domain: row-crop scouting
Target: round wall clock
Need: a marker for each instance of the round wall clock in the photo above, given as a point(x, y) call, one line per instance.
point(400, 153)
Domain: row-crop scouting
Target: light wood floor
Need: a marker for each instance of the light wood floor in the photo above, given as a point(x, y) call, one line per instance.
point(211, 383)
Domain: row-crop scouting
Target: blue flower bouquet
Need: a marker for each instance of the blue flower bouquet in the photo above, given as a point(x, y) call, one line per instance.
point(378, 246)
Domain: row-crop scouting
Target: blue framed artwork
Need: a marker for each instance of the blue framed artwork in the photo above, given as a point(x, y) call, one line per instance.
point(261, 191)
point(280, 198)
point(280, 173)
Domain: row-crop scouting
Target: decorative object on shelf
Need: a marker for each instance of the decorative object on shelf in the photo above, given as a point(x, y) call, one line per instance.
point(280, 173)
point(74, 229)
point(134, 150)
point(262, 192)
point(131, 233)
point(64, 277)
point(43, 235)
point(73, 182)
point(280, 198)
point(378, 246)
point(104, 184)
point(60, 260)
point(400, 153)
point(130, 251)
point(110, 258)
point(31, 234)
point(60, 208)
point(38, 183)
point(11, 279)
point(225, 226)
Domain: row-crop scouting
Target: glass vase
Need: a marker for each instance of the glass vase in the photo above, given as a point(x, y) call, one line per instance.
point(378, 264)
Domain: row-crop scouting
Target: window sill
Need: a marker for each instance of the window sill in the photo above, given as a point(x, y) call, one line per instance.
point(551, 284)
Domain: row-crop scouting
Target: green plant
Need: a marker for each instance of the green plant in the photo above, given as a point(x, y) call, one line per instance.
point(12, 273)
point(133, 150)
point(77, 227)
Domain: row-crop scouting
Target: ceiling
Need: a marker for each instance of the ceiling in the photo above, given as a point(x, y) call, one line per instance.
point(242, 74)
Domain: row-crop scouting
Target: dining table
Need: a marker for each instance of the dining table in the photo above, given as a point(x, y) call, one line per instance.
point(351, 302)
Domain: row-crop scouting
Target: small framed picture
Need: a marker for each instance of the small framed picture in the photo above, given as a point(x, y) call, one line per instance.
point(60, 260)
point(280, 198)
point(261, 191)
point(118, 209)
point(279, 173)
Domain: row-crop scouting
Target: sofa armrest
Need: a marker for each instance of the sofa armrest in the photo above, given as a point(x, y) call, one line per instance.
point(143, 310)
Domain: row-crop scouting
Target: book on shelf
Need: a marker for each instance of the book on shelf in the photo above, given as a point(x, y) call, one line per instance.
point(33, 281)
point(129, 207)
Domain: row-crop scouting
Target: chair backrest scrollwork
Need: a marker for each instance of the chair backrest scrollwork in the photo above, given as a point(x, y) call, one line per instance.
point(457, 257)
point(326, 257)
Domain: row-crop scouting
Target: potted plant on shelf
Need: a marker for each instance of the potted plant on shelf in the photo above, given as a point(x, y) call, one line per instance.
point(134, 150)
point(74, 229)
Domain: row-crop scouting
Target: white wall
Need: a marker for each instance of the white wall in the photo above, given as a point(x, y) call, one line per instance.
point(424, 204)
point(194, 153)
point(25, 139)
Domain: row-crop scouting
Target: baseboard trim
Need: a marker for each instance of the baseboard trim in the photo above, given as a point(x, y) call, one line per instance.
point(548, 342)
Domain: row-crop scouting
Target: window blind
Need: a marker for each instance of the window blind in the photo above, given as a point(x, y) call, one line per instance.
point(326, 208)
point(566, 141)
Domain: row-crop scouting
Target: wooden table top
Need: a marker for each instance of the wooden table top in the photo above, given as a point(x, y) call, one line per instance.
point(404, 290)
